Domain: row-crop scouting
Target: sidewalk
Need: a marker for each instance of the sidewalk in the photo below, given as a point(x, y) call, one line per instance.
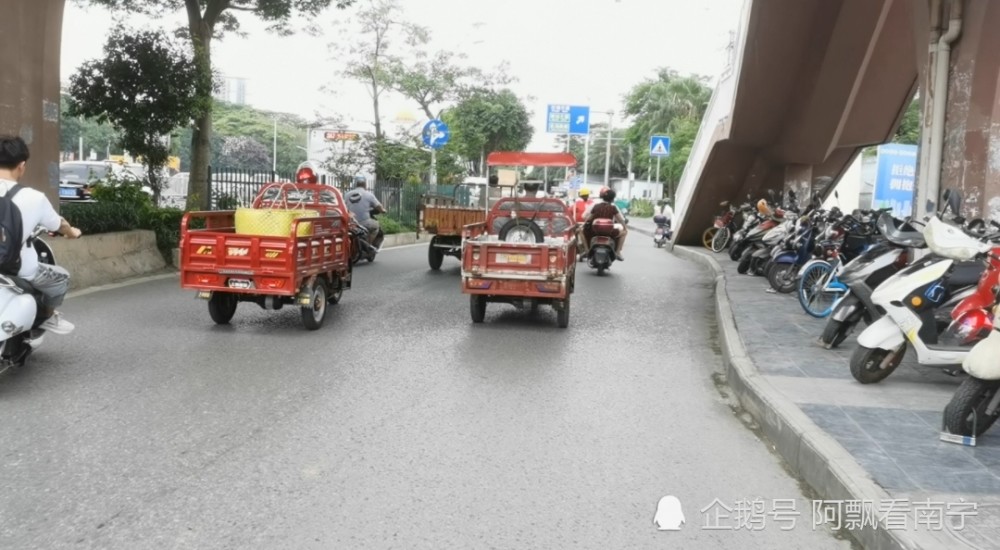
point(852, 442)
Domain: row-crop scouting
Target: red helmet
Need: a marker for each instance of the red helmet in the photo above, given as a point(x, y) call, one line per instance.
point(306, 175)
point(972, 326)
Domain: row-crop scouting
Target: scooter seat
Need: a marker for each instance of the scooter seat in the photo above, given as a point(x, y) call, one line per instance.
point(965, 274)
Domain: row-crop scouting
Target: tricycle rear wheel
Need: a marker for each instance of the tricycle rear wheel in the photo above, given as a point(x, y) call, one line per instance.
point(562, 314)
point(435, 255)
point(314, 314)
point(477, 306)
point(222, 307)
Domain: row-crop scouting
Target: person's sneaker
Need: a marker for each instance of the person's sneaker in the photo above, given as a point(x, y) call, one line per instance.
point(57, 324)
point(619, 256)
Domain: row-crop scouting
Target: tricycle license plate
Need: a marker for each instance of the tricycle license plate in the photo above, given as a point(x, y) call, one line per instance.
point(68, 192)
point(521, 259)
point(240, 283)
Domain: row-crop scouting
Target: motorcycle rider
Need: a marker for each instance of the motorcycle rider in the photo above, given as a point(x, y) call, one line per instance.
point(361, 204)
point(51, 281)
point(607, 210)
point(580, 208)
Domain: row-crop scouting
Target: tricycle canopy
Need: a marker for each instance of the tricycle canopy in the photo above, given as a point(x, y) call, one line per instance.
point(520, 158)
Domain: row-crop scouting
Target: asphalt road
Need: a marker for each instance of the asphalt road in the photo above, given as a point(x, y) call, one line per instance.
point(399, 424)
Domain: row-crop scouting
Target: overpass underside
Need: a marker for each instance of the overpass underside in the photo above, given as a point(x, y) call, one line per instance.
point(814, 82)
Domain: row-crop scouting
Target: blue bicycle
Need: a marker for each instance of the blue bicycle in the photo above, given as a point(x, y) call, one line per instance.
point(820, 289)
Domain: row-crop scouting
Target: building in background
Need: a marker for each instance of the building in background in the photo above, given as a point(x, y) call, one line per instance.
point(232, 90)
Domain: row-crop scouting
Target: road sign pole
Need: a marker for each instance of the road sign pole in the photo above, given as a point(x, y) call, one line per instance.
point(657, 169)
point(434, 172)
point(586, 157)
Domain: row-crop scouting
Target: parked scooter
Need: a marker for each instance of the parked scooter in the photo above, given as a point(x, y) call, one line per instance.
point(20, 306)
point(976, 403)
point(865, 273)
point(911, 297)
point(663, 231)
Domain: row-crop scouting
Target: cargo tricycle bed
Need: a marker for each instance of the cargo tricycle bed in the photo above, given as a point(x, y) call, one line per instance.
point(523, 254)
point(292, 247)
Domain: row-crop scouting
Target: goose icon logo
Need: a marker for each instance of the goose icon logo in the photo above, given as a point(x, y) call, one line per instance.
point(669, 516)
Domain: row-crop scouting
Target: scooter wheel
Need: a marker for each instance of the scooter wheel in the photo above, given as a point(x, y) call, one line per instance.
point(965, 414)
point(744, 264)
point(872, 365)
point(836, 332)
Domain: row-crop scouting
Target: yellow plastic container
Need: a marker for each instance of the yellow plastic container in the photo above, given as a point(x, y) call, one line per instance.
point(272, 222)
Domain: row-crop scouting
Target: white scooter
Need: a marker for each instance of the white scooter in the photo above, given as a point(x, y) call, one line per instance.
point(19, 307)
point(910, 299)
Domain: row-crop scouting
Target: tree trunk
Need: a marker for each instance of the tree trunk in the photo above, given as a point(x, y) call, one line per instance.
point(198, 191)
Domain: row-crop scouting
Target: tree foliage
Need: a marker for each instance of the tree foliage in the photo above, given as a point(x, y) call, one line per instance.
point(485, 121)
point(144, 86)
point(99, 136)
point(207, 20)
point(372, 59)
point(433, 79)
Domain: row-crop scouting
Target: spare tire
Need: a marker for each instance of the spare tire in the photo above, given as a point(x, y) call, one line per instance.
point(520, 230)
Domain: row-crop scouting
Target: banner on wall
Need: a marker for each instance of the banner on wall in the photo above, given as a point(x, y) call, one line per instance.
point(895, 178)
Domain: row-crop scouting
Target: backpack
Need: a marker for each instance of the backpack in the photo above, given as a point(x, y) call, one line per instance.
point(11, 233)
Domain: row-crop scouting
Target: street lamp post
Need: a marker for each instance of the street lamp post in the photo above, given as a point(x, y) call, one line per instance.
point(607, 153)
point(274, 157)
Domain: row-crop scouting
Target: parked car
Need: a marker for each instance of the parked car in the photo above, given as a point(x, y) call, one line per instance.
point(76, 177)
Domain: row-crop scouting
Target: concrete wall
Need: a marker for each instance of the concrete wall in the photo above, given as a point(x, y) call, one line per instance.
point(105, 258)
point(29, 85)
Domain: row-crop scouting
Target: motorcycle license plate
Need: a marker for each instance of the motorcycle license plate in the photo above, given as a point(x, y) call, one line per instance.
point(240, 283)
point(520, 259)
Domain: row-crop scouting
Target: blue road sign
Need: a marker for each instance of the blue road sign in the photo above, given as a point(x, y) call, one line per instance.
point(435, 134)
point(568, 119)
point(895, 173)
point(579, 120)
point(659, 146)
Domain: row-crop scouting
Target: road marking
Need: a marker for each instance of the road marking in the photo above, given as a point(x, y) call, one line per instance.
point(129, 282)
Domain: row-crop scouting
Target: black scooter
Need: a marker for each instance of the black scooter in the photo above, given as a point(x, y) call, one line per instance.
point(360, 247)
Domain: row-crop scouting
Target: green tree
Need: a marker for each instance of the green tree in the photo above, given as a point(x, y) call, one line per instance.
point(208, 20)
point(431, 80)
point(371, 59)
point(485, 121)
point(144, 86)
point(99, 136)
point(909, 127)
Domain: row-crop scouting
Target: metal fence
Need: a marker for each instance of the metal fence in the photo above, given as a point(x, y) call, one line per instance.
point(233, 188)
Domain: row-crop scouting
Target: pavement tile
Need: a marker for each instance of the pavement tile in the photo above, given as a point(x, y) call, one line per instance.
point(898, 446)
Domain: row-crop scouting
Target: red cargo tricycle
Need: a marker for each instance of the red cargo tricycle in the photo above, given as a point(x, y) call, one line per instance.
point(307, 264)
point(524, 253)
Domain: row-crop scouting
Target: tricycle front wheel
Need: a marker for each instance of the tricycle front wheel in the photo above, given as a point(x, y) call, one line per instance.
point(314, 314)
point(222, 307)
point(477, 306)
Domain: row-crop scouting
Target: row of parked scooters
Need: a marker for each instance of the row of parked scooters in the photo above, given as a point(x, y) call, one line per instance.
point(932, 284)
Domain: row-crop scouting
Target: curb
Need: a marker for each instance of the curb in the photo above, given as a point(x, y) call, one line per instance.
point(811, 453)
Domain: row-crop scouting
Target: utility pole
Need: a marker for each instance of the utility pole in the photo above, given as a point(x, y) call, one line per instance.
point(586, 157)
point(607, 152)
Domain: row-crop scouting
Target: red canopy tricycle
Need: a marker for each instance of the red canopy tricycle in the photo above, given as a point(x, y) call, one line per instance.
point(292, 247)
point(524, 253)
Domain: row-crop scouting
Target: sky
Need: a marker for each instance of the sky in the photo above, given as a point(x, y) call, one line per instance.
point(576, 52)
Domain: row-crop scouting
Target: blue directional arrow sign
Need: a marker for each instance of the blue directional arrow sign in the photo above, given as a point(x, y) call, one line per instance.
point(659, 146)
point(435, 134)
point(579, 120)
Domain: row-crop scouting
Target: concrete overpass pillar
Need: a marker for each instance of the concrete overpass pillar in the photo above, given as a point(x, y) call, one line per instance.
point(29, 85)
point(971, 160)
point(798, 178)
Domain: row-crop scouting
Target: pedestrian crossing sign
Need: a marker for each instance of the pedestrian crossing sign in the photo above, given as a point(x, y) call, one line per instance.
point(659, 146)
